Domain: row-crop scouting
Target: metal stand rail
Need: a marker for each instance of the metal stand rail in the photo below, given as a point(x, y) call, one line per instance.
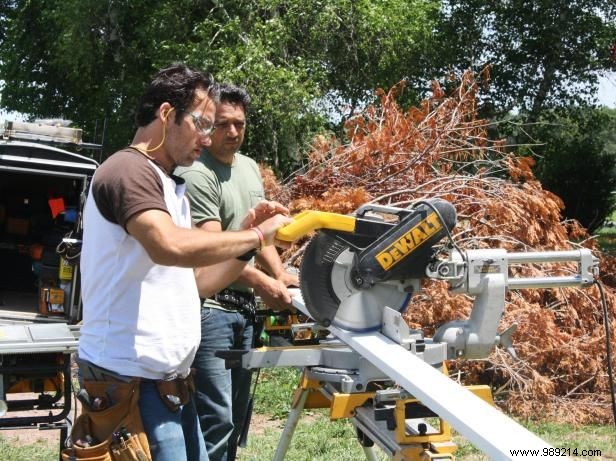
point(495, 434)
point(37, 353)
point(338, 378)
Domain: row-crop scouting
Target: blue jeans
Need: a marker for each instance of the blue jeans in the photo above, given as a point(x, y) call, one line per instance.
point(172, 436)
point(222, 395)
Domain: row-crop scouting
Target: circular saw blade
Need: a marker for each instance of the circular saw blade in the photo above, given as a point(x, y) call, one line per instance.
point(331, 297)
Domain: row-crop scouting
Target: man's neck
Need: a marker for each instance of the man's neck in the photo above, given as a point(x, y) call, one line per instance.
point(143, 143)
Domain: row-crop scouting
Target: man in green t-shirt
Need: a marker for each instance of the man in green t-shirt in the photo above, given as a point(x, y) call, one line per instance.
point(222, 186)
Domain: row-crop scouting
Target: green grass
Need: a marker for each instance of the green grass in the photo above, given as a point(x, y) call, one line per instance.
point(563, 436)
point(317, 438)
point(39, 451)
point(274, 391)
point(593, 437)
point(607, 240)
point(606, 236)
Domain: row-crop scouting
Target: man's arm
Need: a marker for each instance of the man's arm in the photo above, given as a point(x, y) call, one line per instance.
point(270, 260)
point(272, 290)
point(170, 245)
point(213, 278)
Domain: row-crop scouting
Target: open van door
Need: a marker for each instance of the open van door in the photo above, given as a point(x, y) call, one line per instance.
point(43, 187)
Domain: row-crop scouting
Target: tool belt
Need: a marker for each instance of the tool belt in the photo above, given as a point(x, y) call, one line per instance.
point(110, 429)
point(241, 301)
point(176, 392)
point(110, 426)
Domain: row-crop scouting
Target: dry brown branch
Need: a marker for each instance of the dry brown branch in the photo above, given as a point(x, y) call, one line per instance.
point(441, 149)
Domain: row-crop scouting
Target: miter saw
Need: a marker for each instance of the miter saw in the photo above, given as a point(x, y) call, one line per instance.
point(357, 275)
point(355, 266)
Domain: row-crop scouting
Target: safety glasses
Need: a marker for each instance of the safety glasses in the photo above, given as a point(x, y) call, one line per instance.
point(203, 125)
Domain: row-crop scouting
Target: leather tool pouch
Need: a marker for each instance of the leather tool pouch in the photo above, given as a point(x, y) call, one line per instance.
point(112, 433)
point(176, 392)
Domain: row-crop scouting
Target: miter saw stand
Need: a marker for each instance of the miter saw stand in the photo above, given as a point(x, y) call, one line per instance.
point(337, 377)
point(389, 381)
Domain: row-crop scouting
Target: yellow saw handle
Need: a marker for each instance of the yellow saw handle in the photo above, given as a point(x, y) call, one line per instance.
point(309, 220)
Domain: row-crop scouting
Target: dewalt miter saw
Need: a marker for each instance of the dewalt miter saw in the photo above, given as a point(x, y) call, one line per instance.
point(357, 275)
point(356, 265)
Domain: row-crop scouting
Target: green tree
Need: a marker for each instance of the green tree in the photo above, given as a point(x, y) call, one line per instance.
point(311, 59)
point(87, 60)
point(577, 160)
point(542, 54)
point(367, 44)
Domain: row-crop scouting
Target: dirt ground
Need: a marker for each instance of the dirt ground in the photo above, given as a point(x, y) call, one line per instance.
point(51, 438)
point(29, 436)
point(21, 437)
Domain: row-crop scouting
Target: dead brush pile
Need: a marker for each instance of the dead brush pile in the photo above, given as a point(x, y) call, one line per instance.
point(441, 149)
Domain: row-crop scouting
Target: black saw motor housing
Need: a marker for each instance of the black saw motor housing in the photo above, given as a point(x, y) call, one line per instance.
point(382, 251)
point(405, 250)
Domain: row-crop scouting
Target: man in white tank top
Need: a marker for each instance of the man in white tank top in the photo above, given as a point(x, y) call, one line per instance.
point(141, 315)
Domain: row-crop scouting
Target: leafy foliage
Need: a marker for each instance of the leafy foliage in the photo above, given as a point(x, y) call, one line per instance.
point(543, 54)
point(77, 60)
point(576, 151)
point(87, 60)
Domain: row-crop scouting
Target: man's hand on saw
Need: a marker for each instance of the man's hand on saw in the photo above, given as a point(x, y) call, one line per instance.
point(289, 279)
point(269, 216)
point(262, 211)
point(274, 294)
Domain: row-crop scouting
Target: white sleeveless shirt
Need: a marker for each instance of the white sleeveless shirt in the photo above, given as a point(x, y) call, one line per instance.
point(139, 318)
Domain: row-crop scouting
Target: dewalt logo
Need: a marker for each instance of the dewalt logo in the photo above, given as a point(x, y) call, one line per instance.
point(401, 248)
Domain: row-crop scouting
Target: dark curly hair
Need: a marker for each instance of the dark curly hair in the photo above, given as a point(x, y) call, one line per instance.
point(235, 95)
point(176, 85)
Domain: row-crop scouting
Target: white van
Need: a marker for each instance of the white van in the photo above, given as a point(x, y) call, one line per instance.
point(43, 183)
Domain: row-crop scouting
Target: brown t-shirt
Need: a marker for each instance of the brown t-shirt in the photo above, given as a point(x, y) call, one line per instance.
point(126, 184)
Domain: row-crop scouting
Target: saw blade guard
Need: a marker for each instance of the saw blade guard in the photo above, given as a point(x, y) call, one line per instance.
point(331, 297)
point(347, 278)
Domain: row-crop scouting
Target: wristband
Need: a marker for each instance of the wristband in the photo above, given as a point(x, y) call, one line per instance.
point(261, 237)
point(248, 255)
